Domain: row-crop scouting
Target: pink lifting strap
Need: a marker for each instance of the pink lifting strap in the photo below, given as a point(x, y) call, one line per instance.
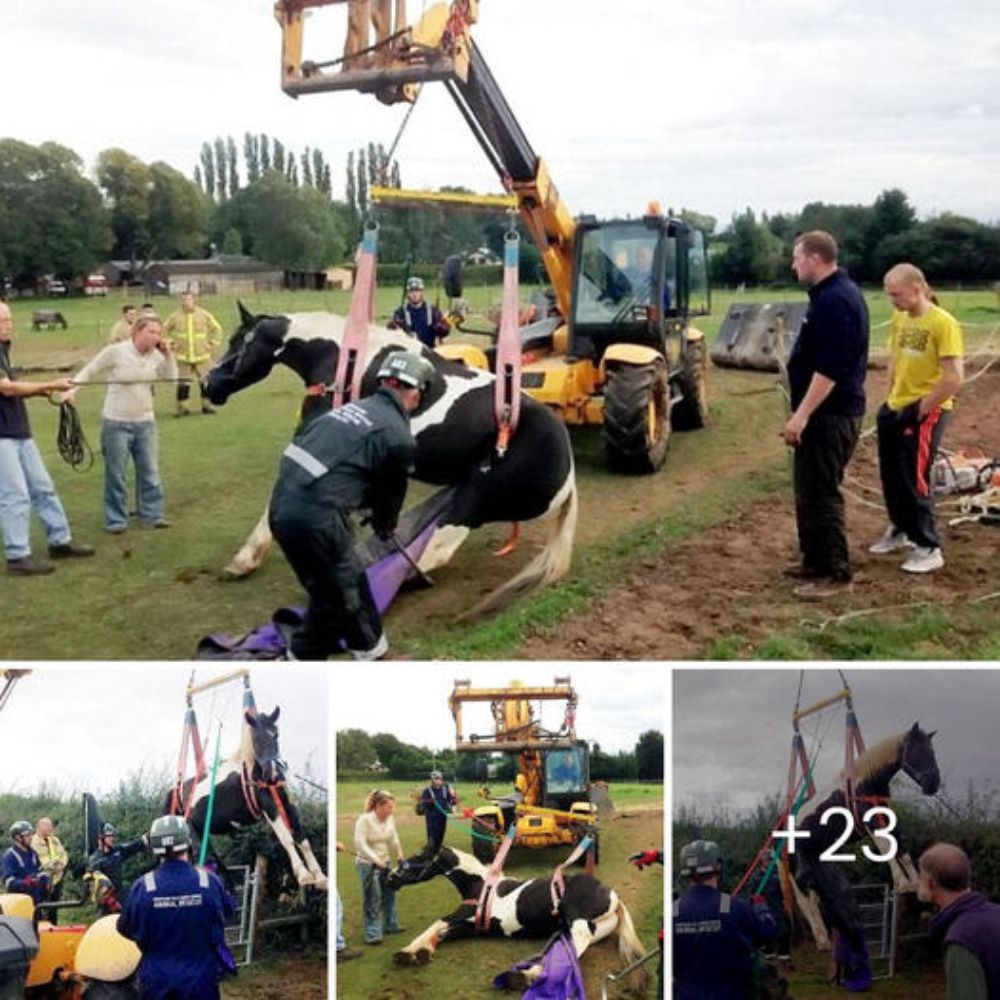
point(484, 905)
point(507, 390)
point(351, 358)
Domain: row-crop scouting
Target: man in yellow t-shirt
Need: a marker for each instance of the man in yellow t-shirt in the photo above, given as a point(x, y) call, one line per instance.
point(925, 372)
point(193, 333)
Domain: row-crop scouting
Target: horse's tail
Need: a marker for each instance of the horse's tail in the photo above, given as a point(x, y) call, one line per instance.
point(630, 948)
point(550, 565)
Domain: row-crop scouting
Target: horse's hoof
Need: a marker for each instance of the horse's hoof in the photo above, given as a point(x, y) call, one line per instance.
point(234, 572)
point(406, 958)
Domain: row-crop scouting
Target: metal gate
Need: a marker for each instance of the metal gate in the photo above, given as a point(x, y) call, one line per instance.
point(238, 925)
point(876, 903)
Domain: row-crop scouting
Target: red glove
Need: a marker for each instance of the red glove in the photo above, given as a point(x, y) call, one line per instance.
point(646, 858)
point(758, 901)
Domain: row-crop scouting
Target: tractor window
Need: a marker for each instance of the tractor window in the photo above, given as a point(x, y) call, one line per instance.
point(618, 275)
point(565, 771)
point(699, 296)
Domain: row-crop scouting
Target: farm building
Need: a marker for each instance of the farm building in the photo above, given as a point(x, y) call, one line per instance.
point(221, 275)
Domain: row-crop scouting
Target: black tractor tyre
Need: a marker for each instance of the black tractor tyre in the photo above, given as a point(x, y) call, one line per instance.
point(691, 411)
point(484, 850)
point(636, 421)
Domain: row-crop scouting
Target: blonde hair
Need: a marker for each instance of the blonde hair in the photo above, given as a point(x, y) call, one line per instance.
point(145, 320)
point(376, 797)
point(909, 274)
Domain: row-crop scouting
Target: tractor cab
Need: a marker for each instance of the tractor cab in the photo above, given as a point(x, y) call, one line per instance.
point(636, 281)
point(566, 776)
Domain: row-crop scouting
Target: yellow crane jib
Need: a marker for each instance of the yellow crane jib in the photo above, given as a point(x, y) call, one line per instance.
point(392, 62)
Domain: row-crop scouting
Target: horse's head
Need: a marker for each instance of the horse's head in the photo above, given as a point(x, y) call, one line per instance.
point(267, 760)
point(918, 761)
point(249, 357)
point(421, 867)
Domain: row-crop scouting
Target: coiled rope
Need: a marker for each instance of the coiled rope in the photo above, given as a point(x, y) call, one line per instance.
point(71, 442)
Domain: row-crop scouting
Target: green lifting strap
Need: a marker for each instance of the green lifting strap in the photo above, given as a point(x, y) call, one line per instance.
point(203, 853)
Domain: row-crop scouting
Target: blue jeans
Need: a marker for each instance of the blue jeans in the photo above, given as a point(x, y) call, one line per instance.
point(25, 483)
point(379, 903)
point(119, 439)
point(341, 943)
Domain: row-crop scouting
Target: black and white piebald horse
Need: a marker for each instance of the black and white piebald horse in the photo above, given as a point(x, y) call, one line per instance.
point(455, 434)
point(820, 885)
point(589, 910)
point(249, 787)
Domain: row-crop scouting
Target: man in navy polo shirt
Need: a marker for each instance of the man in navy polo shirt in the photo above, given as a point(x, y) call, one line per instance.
point(826, 374)
point(966, 921)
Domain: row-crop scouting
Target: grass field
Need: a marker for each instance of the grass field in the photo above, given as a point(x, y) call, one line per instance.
point(152, 595)
point(465, 969)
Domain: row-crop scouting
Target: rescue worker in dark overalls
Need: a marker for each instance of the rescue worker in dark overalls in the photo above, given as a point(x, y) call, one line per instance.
point(104, 868)
point(437, 802)
point(715, 935)
point(176, 914)
point(21, 869)
point(418, 317)
point(356, 456)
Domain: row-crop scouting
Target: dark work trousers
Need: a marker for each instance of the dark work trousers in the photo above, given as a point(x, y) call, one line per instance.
point(319, 544)
point(906, 450)
point(818, 470)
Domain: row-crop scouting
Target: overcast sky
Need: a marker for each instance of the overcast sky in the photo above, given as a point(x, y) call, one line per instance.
point(617, 702)
point(733, 729)
point(711, 106)
point(86, 727)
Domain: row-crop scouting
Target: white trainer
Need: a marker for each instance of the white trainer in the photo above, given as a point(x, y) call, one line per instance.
point(892, 540)
point(923, 560)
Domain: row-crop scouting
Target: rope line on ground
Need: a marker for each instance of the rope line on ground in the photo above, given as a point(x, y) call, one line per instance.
point(820, 624)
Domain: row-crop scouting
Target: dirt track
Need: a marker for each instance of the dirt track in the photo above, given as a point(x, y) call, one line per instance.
point(726, 585)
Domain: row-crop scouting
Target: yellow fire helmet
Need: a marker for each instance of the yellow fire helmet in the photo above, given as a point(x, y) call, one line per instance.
point(104, 954)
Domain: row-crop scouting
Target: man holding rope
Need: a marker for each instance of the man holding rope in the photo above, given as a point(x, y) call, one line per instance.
point(24, 481)
point(128, 421)
point(437, 802)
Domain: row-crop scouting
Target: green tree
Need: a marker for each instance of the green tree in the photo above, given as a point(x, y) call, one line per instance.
point(649, 756)
point(125, 181)
point(296, 229)
point(232, 242)
point(355, 750)
point(178, 214)
point(234, 172)
point(251, 156)
point(52, 220)
point(208, 169)
point(221, 169)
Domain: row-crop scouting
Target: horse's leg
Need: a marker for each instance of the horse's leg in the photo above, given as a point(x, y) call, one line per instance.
point(421, 949)
point(306, 851)
point(302, 874)
point(905, 877)
point(443, 545)
point(808, 904)
point(252, 553)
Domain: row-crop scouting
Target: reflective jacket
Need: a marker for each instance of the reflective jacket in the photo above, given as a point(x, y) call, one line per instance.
point(715, 937)
point(52, 856)
point(176, 915)
point(22, 872)
point(193, 334)
point(356, 456)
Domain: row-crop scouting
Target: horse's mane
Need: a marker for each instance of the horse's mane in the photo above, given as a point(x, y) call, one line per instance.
point(876, 758)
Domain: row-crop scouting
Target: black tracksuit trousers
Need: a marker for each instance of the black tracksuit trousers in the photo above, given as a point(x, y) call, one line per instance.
point(906, 450)
point(818, 470)
point(319, 545)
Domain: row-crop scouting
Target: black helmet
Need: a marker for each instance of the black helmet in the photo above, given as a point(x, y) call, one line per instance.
point(410, 369)
point(20, 828)
point(169, 835)
point(701, 857)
